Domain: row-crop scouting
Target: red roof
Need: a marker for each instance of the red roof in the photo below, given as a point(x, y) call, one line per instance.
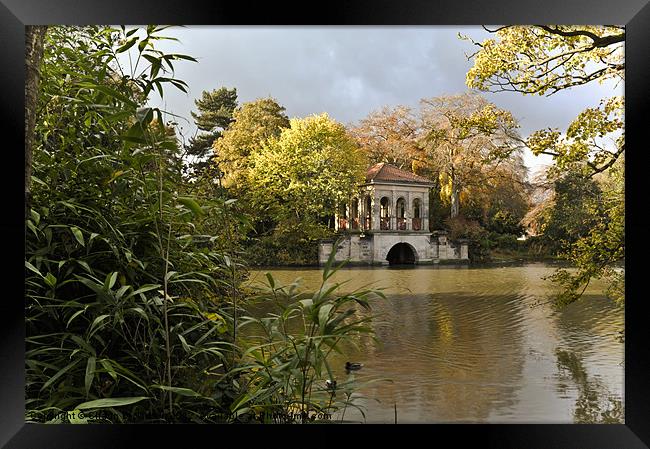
point(384, 172)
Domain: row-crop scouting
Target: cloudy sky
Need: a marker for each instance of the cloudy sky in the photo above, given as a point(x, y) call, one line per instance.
point(351, 71)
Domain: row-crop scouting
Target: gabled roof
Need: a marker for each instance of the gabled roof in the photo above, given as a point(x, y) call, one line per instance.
point(384, 172)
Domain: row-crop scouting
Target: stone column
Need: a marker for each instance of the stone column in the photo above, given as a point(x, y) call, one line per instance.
point(464, 248)
point(362, 211)
point(424, 213)
point(375, 210)
point(392, 212)
point(443, 245)
point(408, 211)
point(324, 251)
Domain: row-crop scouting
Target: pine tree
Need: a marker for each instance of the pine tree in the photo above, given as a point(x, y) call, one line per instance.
point(215, 110)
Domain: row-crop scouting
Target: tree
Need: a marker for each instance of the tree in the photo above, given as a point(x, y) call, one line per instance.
point(539, 60)
point(464, 133)
point(215, 113)
point(34, 37)
point(570, 216)
point(101, 324)
point(253, 124)
point(597, 236)
point(543, 60)
point(392, 135)
point(313, 165)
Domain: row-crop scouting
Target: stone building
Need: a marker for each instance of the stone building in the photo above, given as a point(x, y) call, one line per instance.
point(388, 223)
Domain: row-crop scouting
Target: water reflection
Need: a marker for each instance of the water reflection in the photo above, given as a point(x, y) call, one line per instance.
point(479, 345)
point(595, 404)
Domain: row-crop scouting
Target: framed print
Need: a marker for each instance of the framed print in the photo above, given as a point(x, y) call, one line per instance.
point(396, 215)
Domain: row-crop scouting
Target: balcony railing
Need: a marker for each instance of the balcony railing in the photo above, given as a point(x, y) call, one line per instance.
point(417, 224)
point(384, 223)
point(401, 224)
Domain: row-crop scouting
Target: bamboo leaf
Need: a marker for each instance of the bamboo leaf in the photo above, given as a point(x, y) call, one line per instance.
point(111, 402)
point(143, 289)
point(180, 391)
point(61, 372)
point(186, 347)
point(33, 268)
point(323, 315)
point(78, 235)
point(90, 373)
point(110, 280)
point(96, 323)
point(192, 205)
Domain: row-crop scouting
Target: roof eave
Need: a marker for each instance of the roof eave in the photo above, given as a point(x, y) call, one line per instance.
point(410, 183)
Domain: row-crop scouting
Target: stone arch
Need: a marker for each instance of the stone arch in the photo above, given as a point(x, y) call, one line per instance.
point(385, 213)
point(354, 213)
point(400, 207)
point(416, 220)
point(367, 209)
point(400, 214)
point(402, 253)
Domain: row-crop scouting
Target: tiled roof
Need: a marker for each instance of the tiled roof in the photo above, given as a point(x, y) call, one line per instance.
point(384, 172)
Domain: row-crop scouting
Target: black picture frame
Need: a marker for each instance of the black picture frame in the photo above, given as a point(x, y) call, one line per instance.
point(15, 14)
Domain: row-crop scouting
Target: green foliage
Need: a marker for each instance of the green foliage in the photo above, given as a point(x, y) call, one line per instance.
point(132, 274)
point(290, 243)
point(295, 180)
point(600, 251)
point(573, 212)
point(546, 59)
point(215, 109)
point(253, 124)
point(215, 114)
point(479, 239)
point(118, 289)
point(313, 165)
point(290, 360)
point(503, 222)
point(543, 60)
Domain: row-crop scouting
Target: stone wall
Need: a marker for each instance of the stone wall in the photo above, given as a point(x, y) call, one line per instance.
point(373, 248)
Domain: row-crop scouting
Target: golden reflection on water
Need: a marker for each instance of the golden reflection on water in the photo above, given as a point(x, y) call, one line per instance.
point(463, 344)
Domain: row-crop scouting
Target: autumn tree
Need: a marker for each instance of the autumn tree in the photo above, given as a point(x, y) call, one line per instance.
point(464, 133)
point(544, 60)
point(499, 197)
point(392, 135)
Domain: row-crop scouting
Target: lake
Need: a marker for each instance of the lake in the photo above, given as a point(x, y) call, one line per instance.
point(480, 345)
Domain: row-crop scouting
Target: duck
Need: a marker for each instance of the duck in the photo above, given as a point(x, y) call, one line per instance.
point(352, 366)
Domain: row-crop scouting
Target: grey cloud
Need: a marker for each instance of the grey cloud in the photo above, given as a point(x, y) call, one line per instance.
point(349, 72)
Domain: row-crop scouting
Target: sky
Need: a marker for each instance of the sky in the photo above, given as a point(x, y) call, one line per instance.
point(349, 72)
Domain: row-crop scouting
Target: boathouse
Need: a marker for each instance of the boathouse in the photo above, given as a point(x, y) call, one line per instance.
point(387, 222)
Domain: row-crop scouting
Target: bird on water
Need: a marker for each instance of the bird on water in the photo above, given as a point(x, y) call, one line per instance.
point(352, 366)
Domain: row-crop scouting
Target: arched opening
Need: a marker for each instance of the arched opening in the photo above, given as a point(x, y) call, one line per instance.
point(368, 213)
point(400, 209)
point(401, 254)
point(354, 213)
point(343, 216)
point(417, 219)
point(384, 213)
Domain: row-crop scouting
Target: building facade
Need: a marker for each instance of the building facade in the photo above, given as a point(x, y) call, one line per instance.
point(387, 223)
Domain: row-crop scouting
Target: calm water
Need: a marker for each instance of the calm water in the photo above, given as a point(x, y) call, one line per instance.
point(461, 344)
